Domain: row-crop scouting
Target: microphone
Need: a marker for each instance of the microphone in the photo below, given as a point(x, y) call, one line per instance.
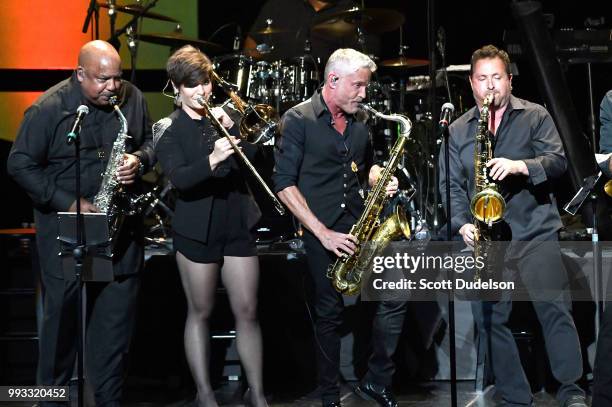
point(446, 115)
point(76, 125)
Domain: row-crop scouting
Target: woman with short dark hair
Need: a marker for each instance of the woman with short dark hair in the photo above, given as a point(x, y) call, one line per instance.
point(213, 221)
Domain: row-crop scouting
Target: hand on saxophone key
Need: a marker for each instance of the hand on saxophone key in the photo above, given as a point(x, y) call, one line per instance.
point(127, 172)
point(467, 232)
point(339, 243)
point(500, 167)
point(392, 186)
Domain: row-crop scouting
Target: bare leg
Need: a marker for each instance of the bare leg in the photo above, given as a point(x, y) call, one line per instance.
point(241, 277)
point(199, 283)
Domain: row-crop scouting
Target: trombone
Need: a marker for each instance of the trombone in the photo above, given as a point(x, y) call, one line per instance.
point(259, 122)
point(277, 204)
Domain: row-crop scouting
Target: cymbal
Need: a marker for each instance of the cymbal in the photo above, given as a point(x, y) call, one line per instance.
point(178, 40)
point(136, 9)
point(404, 63)
point(270, 30)
point(371, 20)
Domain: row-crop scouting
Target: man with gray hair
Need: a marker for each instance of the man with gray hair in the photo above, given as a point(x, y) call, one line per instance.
point(323, 161)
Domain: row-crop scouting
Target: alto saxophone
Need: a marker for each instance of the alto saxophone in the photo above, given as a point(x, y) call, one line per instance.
point(111, 199)
point(346, 272)
point(487, 204)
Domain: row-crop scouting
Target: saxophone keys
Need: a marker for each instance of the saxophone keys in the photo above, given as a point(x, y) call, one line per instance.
point(354, 167)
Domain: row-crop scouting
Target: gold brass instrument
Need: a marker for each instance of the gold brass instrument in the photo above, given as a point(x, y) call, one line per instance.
point(487, 204)
point(277, 204)
point(346, 272)
point(259, 123)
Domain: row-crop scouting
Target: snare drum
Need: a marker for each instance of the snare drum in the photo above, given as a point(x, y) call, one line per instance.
point(237, 69)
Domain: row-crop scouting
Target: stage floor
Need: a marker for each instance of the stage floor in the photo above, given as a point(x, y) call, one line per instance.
point(425, 394)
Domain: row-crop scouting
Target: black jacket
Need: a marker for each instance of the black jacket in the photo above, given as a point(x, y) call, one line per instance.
point(183, 152)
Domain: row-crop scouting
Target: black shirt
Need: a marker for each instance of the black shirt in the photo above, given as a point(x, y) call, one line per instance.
point(44, 165)
point(297, 16)
point(183, 150)
point(527, 133)
point(313, 156)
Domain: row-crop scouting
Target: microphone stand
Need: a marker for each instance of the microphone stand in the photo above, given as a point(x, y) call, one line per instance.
point(78, 253)
point(122, 30)
point(434, 117)
point(451, 302)
point(93, 9)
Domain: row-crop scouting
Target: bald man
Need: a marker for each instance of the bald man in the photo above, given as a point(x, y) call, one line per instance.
point(43, 164)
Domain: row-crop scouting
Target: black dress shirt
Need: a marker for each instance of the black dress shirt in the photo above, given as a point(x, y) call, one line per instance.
point(313, 156)
point(43, 163)
point(183, 151)
point(528, 133)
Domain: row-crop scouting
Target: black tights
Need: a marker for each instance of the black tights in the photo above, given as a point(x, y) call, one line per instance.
point(240, 276)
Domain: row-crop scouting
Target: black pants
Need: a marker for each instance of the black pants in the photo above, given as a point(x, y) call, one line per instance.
point(111, 315)
point(328, 304)
point(602, 373)
point(542, 273)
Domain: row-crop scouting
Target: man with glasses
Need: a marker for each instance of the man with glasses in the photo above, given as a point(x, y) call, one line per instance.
point(43, 163)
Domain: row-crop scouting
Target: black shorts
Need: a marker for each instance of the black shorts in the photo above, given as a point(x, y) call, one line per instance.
point(228, 235)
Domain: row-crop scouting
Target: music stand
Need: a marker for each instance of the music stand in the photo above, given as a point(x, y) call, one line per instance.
point(590, 189)
point(97, 257)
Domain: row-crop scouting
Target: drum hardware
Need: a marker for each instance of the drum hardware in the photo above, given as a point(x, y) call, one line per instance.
point(370, 20)
point(269, 30)
point(136, 10)
point(177, 40)
point(403, 62)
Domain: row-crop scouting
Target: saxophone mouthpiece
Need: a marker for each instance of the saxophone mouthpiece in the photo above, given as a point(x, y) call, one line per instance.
point(113, 101)
point(367, 108)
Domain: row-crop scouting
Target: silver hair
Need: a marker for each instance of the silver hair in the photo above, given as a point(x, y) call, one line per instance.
point(347, 60)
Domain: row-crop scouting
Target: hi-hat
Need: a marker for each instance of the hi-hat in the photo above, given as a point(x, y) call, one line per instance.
point(136, 9)
point(370, 20)
point(178, 40)
point(270, 30)
point(404, 63)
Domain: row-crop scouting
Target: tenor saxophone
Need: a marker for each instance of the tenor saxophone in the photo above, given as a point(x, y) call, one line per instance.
point(347, 271)
point(487, 204)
